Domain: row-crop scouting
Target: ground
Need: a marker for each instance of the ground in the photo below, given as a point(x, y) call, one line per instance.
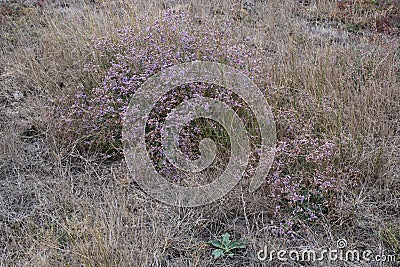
point(337, 62)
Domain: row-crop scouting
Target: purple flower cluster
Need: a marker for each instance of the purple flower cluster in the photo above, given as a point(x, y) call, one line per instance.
point(307, 173)
point(303, 180)
point(121, 64)
point(303, 177)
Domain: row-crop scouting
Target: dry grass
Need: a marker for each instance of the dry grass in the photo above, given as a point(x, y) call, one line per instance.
point(62, 208)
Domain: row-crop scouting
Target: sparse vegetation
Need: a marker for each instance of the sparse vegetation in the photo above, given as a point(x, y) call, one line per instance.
point(225, 246)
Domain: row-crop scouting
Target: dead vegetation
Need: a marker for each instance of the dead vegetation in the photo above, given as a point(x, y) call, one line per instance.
point(337, 61)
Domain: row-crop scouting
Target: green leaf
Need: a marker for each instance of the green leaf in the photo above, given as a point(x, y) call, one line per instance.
point(218, 253)
point(225, 246)
point(237, 244)
point(226, 239)
point(216, 243)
